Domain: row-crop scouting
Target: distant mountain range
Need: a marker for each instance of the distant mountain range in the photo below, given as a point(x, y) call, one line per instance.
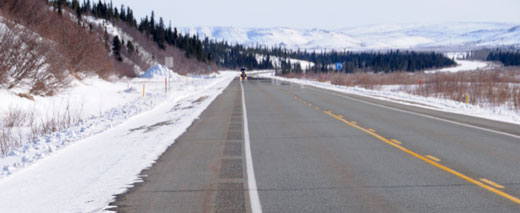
point(450, 36)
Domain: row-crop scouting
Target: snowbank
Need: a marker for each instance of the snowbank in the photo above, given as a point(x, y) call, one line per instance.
point(85, 176)
point(159, 71)
point(96, 103)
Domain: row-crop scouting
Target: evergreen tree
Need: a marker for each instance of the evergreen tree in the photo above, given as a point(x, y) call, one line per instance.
point(59, 5)
point(86, 6)
point(130, 17)
point(116, 48)
point(130, 46)
point(508, 58)
point(76, 7)
point(152, 23)
point(122, 14)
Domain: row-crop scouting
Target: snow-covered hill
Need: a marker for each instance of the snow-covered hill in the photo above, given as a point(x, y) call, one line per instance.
point(450, 36)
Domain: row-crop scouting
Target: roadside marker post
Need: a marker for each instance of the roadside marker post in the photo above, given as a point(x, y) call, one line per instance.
point(420, 83)
point(467, 98)
point(168, 61)
point(143, 89)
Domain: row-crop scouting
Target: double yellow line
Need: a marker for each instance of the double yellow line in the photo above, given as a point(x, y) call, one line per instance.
point(433, 161)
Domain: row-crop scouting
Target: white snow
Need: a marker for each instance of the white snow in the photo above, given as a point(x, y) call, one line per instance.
point(159, 71)
point(80, 168)
point(458, 35)
point(304, 64)
point(463, 65)
point(387, 93)
point(276, 61)
point(98, 103)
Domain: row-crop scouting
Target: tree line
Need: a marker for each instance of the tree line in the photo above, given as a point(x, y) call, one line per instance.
point(261, 57)
point(508, 58)
point(233, 56)
point(153, 28)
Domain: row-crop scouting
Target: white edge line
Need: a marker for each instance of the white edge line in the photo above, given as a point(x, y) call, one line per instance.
point(256, 207)
point(400, 110)
point(428, 116)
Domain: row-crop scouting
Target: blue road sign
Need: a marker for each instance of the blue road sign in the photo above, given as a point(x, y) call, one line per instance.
point(338, 66)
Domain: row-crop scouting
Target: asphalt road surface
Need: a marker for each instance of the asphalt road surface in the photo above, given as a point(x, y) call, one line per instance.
point(303, 149)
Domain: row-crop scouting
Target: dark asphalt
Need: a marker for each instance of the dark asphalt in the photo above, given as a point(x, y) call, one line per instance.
point(203, 171)
point(308, 161)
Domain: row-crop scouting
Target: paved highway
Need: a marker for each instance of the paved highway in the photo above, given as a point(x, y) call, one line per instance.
point(303, 149)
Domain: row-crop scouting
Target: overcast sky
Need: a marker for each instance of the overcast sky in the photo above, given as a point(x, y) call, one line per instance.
point(325, 14)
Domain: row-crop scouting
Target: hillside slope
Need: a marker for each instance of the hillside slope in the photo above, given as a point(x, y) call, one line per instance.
point(44, 48)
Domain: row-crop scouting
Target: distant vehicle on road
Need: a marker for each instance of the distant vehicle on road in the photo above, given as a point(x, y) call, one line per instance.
point(243, 75)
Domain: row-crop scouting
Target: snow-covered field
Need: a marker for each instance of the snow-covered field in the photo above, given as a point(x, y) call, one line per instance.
point(276, 61)
point(463, 65)
point(388, 93)
point(79, 169)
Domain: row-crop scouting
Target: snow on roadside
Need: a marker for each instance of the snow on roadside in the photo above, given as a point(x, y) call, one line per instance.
point(99, 105)
point(495, 113)
point(85, 176)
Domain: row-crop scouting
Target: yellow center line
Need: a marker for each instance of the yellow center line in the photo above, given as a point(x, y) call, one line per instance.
point(496, 185)
point(396, 141)
point(310, 105)
point(429, 159)
point(316, 108)
point(438, 165)
point(433, 158)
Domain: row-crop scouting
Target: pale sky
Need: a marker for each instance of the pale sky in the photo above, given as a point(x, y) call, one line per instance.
point(324, 14)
